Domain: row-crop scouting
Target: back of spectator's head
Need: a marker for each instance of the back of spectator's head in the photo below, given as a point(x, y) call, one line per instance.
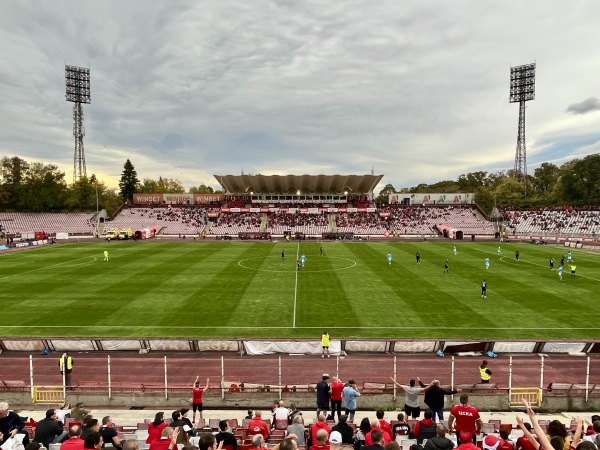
point(207, 441)
point(86, 419)
point(376, 436)
point(175, 415)
point(557, 442)
point(412, 382)
point(322, 436)
point(3, 407)
point(503, 434)
point(464, 399)
point(257, 440)
point(428, 414)
point(297, 419)
point(400, 417)
point(75, 431)
point(50, 413)
point(596, 426)
point(321, 418)
point(131, 444)
point(258, 413)
point(527, 425)
point(93, 439)
point(365, 425)
point(166, 432)
point(91, 424)
point(374, 423)
point(223, 425)
point(288, 444)
point(190, 447)
point(587, 445)
point(105, 420)
point(33, 446)
point(392, 446)
point(158, 418)
point(595, 417)
point(184, 411)
point(441, 430)
point(557, 428)
point(379, 414)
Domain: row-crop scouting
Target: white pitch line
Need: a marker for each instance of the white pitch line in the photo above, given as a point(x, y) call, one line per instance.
point(54, 265)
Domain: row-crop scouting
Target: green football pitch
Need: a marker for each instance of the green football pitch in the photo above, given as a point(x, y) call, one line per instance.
point(187, 289)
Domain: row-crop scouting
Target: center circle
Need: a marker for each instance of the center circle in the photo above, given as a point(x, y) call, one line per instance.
point(275, 264)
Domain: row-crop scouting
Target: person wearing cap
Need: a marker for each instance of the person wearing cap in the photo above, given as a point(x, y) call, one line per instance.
point(49, 430)
point(335, 440)
point(439, 441)
point(345, 430)
point(465, 418)
point(323, 390)
point(492, 442)
point(79, 412)
point(350, 394)
point(336, 397)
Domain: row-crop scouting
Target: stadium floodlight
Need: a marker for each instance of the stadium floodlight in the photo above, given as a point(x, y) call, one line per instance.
point(77, 81)
point(522, 89)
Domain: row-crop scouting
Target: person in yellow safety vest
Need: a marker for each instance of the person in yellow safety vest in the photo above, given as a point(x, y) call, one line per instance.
point(65, 363)
point(325, 344)
point(573, 269)
point(485, 373)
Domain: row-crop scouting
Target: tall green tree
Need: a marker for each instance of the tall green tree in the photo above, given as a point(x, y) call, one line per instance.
point(202, 189)
point(129, 182)
point(44, 188)
point(13, 172)
point(384, 194)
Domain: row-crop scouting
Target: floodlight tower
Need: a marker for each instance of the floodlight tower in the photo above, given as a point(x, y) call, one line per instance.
point(77, 80)
point(522, 89)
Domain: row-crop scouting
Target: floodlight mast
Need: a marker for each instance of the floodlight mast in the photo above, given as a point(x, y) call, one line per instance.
point(77, 81)
point(522, 89)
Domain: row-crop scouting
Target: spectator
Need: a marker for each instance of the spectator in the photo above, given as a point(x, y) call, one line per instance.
point(320, 443)
point(258, 441)
point(350, 394)
point(74, 441)
point(375, 427)
point(434, 398)
point(411, 406)
point(465, 440)
point(335, 440)
point(363, 429)
point(131, 444)
point(155, 428)
point(378, 441)
point(439, 441)
point(49, 430)
point(10, 424)
point(91, 425)
point(522, 441)
point(425, 429)
point(225, 436)
point(168, 437)
point(319, 425)
point(336, 397)
point(464, 418)
point(345, 430)
point(93, 441)
point(258, 426)
point(323, 390)
point(294, 411)
point(280, 413)
point(78, 413)
point(187, 424)
point(400, 428)
point(383, 424)
point(297, 428)
point(109, 434)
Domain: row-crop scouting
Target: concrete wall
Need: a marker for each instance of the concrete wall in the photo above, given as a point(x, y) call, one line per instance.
point(305, 401)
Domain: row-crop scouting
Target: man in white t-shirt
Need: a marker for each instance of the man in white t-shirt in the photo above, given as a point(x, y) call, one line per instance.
point(280, 413)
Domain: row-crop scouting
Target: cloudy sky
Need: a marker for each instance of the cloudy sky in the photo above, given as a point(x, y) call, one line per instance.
point(415, 90)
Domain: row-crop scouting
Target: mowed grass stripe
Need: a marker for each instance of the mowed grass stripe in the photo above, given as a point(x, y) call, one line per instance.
point(146, 287)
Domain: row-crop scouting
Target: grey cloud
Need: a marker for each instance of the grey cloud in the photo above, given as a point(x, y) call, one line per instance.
point(588, 105)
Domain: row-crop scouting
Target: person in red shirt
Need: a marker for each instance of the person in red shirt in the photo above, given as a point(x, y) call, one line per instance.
point(321, 442)
point(522, 442)
point(74, 442)
point(375, 426)
point(335, 395)
point(320, 424)
point(258, 426)
point(155, 428)
point(197, 392)
point(493, 442)
point(168, 438)
point(383, 424)
point(466, 441)
point(464, 417)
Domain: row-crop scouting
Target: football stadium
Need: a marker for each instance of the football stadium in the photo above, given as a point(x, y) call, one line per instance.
point(284, 307)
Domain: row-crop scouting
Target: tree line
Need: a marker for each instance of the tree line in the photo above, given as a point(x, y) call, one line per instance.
point(574, 183)
point(39, 187)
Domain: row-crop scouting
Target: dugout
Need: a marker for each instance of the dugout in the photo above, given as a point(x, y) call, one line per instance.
point(450, 233)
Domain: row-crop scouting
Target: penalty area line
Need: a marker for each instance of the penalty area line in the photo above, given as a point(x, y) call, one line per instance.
point(233, 327)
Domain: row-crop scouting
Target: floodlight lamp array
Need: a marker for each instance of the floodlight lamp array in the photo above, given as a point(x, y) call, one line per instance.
point(522, 83)
point(77, 80)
